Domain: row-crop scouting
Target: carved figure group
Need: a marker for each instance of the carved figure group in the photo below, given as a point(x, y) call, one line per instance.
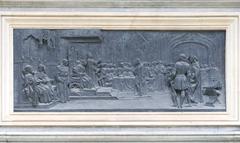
point(184, 81)
point(37, 85)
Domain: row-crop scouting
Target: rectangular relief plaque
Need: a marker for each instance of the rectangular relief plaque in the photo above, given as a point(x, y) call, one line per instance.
point(93, 70)
point(119, 71)
point(130, 69)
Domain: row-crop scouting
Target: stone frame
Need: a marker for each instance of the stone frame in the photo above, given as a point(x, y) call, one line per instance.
point(16, 129)
point(143, 21)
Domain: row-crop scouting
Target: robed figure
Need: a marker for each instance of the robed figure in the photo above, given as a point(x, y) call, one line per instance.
point(194, 77)
point(62, 80)
point(45, 83)
point(35, 86)
point(80, 77)
point(45, 93)
point(91, 68)
point(139, 78)
point(29, 86)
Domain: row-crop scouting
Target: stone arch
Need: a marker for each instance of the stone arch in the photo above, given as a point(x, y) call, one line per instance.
point(201, 46)
point(197, 49)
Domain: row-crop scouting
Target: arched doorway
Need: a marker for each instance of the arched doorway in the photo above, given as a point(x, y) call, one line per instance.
point(191, 49)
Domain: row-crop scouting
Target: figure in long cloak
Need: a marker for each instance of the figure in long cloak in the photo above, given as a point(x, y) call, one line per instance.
point(62, 80)
point(91, 68)
point(80, 77)
point(195, 80)
point(29, 86)
point(45, 82)
point(139, 78)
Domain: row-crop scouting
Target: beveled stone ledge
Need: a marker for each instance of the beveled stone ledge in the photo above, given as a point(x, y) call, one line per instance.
point(110, 134)
point(120, 4)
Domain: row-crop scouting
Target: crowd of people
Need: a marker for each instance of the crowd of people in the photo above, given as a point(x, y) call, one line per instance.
point(85, 73)
point(183, 79)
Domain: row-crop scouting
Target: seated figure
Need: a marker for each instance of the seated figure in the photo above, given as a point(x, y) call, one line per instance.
point(44, 89)
point(36, 85)
point(79, 77)
point(45, 83)
point(29, 85)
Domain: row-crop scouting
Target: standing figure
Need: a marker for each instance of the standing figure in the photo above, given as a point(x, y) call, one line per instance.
point(100, 74)
point(91, 68)
point(170, 74)
point(62, 80)
point(139, 77)
point(30, 85)
point(195, 80)
point(180, 82)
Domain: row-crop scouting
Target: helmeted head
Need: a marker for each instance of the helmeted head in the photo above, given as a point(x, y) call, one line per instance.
point(183, 57)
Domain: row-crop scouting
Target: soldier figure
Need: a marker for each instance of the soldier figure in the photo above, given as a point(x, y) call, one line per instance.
point(180, 82)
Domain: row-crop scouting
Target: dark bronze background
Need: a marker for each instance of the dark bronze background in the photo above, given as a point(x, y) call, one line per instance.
point(50, 47)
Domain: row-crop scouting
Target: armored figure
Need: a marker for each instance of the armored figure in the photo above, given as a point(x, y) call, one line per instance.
point(180, 82)
point(62, 80)
point(139, 77)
